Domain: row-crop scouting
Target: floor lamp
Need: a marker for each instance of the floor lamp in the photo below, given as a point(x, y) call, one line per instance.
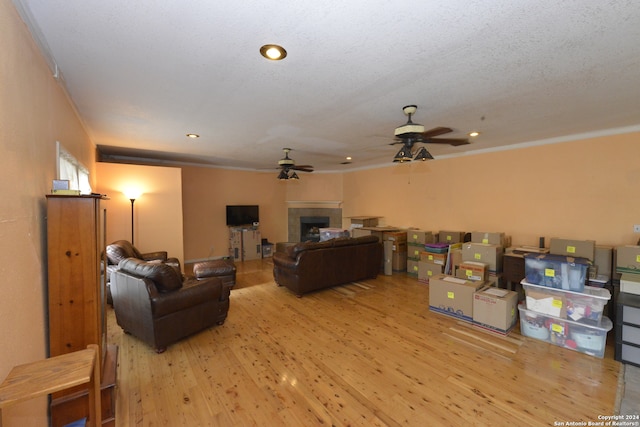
point(132, 194)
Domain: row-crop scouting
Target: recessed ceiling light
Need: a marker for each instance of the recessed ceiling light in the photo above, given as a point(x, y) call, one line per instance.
point(474, 133)
point(273, 52)
point(348, 157)
point(193, 135)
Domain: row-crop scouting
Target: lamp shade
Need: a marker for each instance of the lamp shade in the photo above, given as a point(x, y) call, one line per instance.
point(423, 155)
point(283, 174)
point(294, 175)
point(132, 193)
point(404, 155)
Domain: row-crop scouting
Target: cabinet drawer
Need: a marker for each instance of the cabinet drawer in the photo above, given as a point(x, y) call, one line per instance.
point(631, 334)
point(631, 315)
point(630, 353)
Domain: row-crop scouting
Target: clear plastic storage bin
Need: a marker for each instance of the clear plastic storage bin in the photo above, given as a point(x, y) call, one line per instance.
point(584, 307)
point(587, 339)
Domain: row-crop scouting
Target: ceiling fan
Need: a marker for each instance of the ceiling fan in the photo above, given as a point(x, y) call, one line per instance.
point(411, 133)
point(288, 167)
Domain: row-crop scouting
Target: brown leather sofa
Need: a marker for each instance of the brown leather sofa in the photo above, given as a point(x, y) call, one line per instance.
point(123, 249)
point(154, 303)
point(309, 266)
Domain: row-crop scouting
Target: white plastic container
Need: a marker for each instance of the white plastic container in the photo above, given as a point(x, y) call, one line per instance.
point(585, 307)
point(587, 339)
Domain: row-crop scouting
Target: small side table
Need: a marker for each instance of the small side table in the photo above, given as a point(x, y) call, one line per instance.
point(54, 374)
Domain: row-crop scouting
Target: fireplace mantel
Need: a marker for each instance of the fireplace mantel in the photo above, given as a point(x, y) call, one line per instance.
point(333, 204)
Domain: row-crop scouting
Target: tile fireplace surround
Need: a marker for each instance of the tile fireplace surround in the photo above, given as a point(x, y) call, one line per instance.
point(294, 214)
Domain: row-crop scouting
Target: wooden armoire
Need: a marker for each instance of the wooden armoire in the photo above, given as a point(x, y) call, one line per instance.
point(77, 298)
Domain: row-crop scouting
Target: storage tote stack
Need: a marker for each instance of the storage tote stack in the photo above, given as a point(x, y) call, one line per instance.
point(559, 308)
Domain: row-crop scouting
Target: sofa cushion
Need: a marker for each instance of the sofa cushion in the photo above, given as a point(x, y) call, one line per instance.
point(165, 277)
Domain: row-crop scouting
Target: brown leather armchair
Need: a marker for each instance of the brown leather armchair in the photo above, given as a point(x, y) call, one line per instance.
point(123, 249)
point(154, 303)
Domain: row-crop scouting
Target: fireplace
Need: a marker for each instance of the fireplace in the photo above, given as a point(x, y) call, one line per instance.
point(310, 227)
point(330, 218)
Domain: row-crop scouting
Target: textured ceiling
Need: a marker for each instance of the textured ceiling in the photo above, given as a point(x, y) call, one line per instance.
point(144, 73)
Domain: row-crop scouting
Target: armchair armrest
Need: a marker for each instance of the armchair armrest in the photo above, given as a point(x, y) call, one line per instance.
point(192, 293)
point(155, 256)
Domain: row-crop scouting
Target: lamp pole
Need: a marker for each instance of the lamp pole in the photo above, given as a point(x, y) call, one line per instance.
point(132, 201)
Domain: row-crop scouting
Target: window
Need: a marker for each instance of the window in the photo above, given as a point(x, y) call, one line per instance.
point(71, 169)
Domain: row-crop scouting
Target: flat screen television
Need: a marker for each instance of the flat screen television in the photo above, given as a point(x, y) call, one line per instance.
point(242, 215)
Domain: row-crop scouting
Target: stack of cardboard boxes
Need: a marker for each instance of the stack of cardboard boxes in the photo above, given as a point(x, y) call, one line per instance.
point(467, 290)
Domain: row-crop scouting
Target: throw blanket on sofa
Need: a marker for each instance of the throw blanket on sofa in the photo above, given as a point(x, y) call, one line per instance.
point(309, 266)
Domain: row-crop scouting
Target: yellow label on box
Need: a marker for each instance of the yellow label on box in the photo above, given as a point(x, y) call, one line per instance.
point(485, 241)
point(416, 252)
point(469, 273)
point(477, 256)
point(450, 295)
point(571, 249)
point(557, 328)
point(448, 238)
point(637, 258)
point(429, 273)
point(430, 257)
point(557, 303)
point(415, 268)
point(549, 272)
point(415, 237)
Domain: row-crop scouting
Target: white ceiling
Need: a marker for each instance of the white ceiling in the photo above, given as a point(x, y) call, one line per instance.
point(144, 73)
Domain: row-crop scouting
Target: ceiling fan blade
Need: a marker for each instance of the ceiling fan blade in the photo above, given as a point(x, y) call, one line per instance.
point(303, 168)
point(451, 141)
point(435, 132)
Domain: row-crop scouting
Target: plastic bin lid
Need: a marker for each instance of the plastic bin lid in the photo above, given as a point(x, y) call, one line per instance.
point(592, 291)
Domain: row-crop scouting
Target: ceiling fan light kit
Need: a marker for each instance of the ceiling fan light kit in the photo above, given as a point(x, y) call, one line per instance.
point(411, 133)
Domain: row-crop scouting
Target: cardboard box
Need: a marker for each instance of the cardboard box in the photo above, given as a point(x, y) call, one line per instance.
point(495, 309)
point(604, 260)
point(251, 245)
point(473, 271)
point(628, 259)
point(414, 251)
point(489, 238)
point(387, 255)
point(575, 248)
point(376, 231)
point(395, 236)
point(235, 244)
point(364, 221)
point(398, 256)
point(485, 253)
point(630, 283)
point(450, 236)
point(452, 296)
point(412, 268)
point(427, 270)
point(420, 237)
point(440, 259)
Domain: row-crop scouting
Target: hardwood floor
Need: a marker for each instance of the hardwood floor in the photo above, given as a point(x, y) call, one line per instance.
point(368, 354)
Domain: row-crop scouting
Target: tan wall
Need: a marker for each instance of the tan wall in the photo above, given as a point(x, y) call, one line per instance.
point(157, 213)
point(207, 191)
point(34, 114)
point(582, 189)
